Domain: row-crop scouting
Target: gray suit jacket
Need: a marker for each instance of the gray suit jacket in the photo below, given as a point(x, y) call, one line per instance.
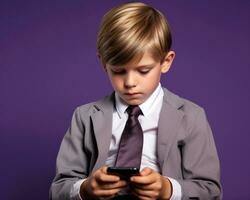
point(185, 147)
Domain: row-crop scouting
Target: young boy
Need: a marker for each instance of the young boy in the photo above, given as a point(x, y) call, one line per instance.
point(178, 159)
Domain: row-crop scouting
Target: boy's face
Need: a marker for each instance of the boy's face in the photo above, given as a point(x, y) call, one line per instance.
point(136, 81)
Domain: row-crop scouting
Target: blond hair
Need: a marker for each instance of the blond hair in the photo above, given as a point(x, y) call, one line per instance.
point(128, 30)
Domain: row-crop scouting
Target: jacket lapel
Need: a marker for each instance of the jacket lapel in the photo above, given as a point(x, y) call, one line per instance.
point(169, 122)
point(102, 126)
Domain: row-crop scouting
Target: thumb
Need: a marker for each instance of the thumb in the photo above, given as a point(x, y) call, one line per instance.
point(146, 171)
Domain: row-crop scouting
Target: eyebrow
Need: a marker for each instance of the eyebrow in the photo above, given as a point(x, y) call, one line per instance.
point(146, 66)
point(151, 65)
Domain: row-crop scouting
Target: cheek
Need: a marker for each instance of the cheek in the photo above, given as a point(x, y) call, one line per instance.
point(152, 81)
point(154, 77)
point(116, 82)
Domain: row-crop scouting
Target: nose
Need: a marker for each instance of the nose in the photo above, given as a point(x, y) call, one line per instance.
point(130, 80)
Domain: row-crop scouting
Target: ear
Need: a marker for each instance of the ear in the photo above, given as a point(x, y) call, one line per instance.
point(167, 61)
point(101, 61)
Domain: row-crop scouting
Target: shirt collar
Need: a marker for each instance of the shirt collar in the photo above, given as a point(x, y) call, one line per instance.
point(145, 106)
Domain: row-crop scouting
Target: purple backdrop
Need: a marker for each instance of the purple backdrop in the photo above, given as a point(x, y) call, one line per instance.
point(49, 66)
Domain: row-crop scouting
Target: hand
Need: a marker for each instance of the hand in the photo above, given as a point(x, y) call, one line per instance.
point(151, 185)
point(101, 185)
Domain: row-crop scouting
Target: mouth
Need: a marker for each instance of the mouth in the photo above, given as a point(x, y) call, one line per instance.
point(132, 94)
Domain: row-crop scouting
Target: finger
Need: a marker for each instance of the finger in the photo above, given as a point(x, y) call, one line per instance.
point(144, 187)
point(146, 194)
point(106, 193)
point(146, 198)
point(146, 171)
point(116, 185)
point(155, 186)
point(100, 176)
point(104, 169)
point(145, 180)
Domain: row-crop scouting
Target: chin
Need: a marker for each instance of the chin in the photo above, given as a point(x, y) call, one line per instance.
point(134, 102)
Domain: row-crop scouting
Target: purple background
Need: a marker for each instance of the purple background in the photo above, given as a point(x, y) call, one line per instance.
point(49, 66)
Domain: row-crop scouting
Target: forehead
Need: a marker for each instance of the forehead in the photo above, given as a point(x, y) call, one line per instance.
point(145, 59)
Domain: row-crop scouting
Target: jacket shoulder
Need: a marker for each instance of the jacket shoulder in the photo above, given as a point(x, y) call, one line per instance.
point(182, 104)
point(194, 120)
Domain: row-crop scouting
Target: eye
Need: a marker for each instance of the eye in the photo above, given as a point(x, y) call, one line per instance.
point(144, 71)
point(117, 71)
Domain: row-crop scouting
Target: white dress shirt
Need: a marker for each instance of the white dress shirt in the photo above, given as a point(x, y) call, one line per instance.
point(149, 122)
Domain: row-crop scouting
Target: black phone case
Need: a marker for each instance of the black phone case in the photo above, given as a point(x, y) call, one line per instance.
point(123, 172)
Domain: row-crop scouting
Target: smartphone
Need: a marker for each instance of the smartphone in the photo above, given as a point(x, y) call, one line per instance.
point(123, 172)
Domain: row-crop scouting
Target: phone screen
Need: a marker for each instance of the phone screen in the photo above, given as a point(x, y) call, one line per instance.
point(123, 172)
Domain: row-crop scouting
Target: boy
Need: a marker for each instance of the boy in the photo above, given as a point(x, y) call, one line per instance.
point(178, 158)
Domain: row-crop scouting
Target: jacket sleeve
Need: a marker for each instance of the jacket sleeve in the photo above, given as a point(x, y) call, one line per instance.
point(71, 164)
point(200, 163)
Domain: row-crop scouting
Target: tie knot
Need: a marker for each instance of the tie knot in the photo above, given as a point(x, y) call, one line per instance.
point(134, 111)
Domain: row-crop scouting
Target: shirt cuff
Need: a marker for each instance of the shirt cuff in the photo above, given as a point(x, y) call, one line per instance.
point(176, 189)
point(75, 190)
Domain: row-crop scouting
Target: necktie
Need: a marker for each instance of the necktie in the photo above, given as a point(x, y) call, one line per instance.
point(130, 147)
